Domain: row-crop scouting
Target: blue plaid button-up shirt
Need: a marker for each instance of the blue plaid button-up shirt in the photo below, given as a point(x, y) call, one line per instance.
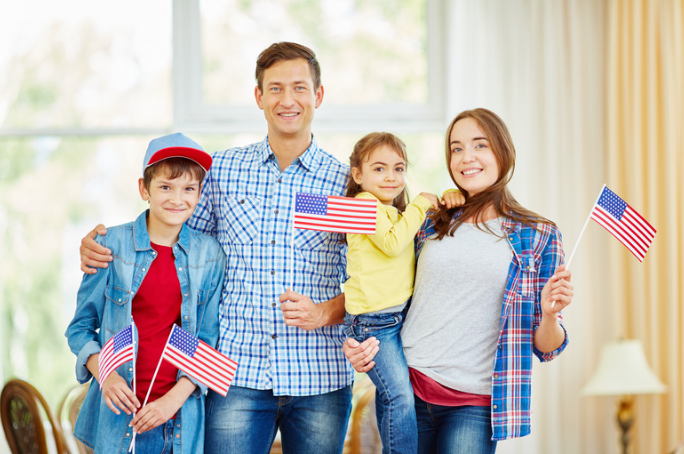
point(248, 204)
point(536, 253)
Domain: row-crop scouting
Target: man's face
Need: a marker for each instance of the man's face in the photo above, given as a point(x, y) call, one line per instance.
point(289, 98)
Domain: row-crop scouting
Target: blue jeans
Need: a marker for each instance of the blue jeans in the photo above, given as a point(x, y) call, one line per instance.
point(246, 421)
point(394, 406)
point(454, 430)
point(156, 441)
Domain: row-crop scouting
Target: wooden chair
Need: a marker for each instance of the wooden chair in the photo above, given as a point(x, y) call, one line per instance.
point(25, 413)
point(66, 417)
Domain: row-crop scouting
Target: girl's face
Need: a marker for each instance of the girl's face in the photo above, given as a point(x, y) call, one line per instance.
point(473, 163)
point(381, 174)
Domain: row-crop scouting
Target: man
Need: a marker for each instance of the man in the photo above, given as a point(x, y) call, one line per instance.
point(292, 373)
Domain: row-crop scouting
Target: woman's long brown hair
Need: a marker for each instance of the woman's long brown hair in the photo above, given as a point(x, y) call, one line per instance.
point(496, 196)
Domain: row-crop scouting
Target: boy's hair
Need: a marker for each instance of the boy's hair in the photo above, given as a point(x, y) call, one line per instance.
point(362, 150)
point(285, 51)
point(174, 168)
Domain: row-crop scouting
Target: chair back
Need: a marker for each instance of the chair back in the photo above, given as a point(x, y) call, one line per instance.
point(67, 413)
point(24, 412)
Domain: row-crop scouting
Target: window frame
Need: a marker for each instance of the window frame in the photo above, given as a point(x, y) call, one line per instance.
point(190, 113)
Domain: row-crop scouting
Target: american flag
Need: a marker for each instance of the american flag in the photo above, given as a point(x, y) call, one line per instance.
point(623, 222)
point(116, 351)
point(199, 360)
point(335, 214)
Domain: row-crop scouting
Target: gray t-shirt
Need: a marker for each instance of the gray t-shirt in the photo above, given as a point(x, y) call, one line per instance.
point(452, 327)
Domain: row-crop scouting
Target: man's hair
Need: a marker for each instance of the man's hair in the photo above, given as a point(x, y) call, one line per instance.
point(285, 51)
point(174, 168)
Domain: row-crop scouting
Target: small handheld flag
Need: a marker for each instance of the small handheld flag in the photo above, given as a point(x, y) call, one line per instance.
point(623, 222)
point(330, 213)
point(199, 360)
point(116, 351)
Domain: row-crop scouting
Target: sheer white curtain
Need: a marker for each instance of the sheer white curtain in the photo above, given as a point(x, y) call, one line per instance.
point(540, 65)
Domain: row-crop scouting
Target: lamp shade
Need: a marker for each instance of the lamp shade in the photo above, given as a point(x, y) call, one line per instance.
point(622, 369)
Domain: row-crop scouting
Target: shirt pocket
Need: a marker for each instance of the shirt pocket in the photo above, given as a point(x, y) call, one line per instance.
point(243, 215)
point(116, 313)
point(312, 240)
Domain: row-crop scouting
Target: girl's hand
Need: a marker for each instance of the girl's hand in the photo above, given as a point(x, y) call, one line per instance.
point(432, 198)
point(559, 289)
point(117, 395)
point(452, 198)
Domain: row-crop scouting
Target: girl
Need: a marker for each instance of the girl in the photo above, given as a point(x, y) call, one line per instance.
point(381, 270)
point(469, 342)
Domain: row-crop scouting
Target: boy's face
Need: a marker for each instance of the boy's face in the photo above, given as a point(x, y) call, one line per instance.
point(172, 201)
point(289, 98)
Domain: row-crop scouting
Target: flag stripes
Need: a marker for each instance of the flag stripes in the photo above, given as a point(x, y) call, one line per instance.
point(335, 214)
point(624, 223)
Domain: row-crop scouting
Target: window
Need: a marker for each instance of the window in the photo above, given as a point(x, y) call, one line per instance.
point(379, 60)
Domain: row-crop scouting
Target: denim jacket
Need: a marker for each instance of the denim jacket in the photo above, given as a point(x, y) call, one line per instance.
point(104, 308)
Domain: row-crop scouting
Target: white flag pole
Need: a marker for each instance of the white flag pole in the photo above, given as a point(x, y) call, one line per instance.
point(135, 381)
point(161, 358)
point(574, 249)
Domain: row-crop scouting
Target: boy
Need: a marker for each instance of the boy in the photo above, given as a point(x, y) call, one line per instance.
point(163, 273)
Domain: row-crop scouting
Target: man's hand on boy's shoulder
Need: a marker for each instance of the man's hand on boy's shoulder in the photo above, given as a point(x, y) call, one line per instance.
point(94, 255)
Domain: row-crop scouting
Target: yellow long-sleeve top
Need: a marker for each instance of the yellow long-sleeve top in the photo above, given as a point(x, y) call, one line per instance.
point(381, 267)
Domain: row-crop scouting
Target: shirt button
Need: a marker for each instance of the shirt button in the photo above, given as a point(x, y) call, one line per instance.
point(273, 304)
point(177, 435)
point(143, 269)
point(128, 435)
point(272, 272)
point(119, 299)
point(496, 375)
point(275, 211)
point(274, 336)
point(272, 241)
point(494, 407)
point(510, 238)
point(185, 318)
point(130, 369)
point(242, 201)
point(185, 295)
point(180, 268)
point(280, 180)
point(528, 267)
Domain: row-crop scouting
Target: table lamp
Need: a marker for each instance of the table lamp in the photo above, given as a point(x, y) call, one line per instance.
point(623, 371)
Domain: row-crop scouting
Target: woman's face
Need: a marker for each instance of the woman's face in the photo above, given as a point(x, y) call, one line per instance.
point(472, 162)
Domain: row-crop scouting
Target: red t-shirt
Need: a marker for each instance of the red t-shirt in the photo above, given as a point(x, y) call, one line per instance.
point(437, 394)
point(156, 308)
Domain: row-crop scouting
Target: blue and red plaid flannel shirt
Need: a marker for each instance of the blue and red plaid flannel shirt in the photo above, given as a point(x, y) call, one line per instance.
point(536, 255)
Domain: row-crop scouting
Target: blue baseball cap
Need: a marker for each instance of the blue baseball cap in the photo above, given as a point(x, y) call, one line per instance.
point(175, 146)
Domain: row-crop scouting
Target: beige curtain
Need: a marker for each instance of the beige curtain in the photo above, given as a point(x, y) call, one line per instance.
point(645, 163)
point(593, 92)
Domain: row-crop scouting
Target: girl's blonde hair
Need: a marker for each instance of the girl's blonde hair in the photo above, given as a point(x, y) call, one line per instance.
point(362, 150)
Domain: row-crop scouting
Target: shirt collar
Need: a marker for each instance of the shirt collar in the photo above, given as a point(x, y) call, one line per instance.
point(142, 238)
point(310, 159)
